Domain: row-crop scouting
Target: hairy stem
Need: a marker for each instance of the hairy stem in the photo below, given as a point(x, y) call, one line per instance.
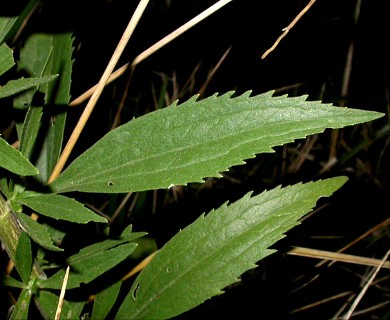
point(10, 233)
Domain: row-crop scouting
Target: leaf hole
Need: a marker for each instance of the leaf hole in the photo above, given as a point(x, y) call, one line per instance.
point(134, 293)
point(110, 184)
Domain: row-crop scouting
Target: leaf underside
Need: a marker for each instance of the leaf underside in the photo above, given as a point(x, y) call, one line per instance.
point(211, 253)
point(198, 139)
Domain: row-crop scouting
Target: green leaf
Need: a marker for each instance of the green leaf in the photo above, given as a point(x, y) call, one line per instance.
point(15, 86)
point(6, 24)
point(211, 253)
point(30, 130)
point(61, 208)
point(51, 148)
point(47, 303)
point(12, 160)
point(6, 59)
point(11, 282)
point(4, 188)
point(23, 258)
point(182, 144)
point(42, 55)
point(93, 261)
point(9, 26)
point(105, 301)
point(36, 231)
point(22, 306)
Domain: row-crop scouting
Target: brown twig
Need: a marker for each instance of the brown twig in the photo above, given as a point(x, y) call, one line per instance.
point(213, 71)
point(155, 47)
point(366, 286)
point(342, 257)
point(361, 237)
point(62, 294)
point(139, 267)
point(318, 303)
point(288, 28)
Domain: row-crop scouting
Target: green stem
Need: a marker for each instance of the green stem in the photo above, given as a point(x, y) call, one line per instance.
point(10, 233)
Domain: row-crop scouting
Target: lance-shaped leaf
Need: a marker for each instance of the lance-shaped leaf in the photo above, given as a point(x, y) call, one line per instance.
point(6, 58)
point(211, 253)
point(198, 139)
point(36, 231)
point(23, 257)
point(15, 86)
point(105, 301)
point(43, 55)
point(93, 261)
point(12, 160)
point(30, 130)
point(10, 25)
point(61, 208)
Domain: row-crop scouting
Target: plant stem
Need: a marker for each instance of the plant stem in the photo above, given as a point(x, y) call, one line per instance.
point(9, 230)
point(10, 233)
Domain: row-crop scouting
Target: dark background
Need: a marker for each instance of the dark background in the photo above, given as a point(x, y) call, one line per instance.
point(311, 60)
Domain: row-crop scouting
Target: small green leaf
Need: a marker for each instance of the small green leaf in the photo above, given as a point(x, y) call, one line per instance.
point(22, 306)
point(6, 59)
point(61, 208)
point(211, 253)
point(30, 130)
point(198, 139)
point(11, 282)
point(9, 26)
point(4, 188)
point(104, 301)
point(6, 24)
point(43, 55)
point(12, 160)
point(23, 258)
point(47, 303)
point(15, 86)
point(92, 262)
point(36, 231)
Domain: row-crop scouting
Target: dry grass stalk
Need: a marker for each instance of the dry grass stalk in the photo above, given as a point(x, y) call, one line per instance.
point(62, 294)
point(155, 47)
point(288, 28)
point(366, 286)
point(335, 256)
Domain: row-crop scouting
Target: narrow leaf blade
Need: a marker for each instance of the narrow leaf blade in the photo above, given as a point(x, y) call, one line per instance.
point(36, 231)
point(105, 301)
point(12, 160)
point(182, 144)
point(23, 258)
point(60, 62)
point(15, 86)
point(93, 261)
point(6, 58)
point(210, 254)
point(61, 208)
point(44, 55)
point(9, 26)
point(30, 130)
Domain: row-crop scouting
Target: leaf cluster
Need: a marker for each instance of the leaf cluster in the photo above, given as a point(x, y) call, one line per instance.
point(180, 144)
